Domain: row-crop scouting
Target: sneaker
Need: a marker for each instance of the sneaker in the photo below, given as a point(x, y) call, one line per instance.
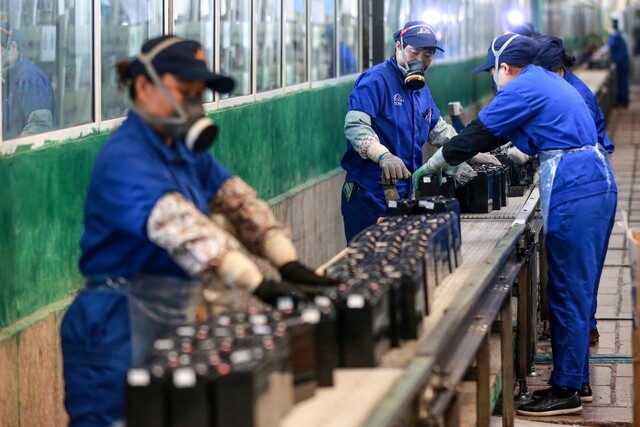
point(585, 393)
point(550, 405)
point(594, 336)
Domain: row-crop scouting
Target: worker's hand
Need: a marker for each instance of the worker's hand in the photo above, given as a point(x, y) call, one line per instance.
point(393, 168)
point(485, 159)
point(270, 291)
point(299, 274)
point(517, 156)
point(463, 173)
point(433, 167)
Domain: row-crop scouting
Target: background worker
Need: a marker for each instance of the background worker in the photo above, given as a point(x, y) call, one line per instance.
point(391, 116)
point(620, 56)
point(542, 114)
point(553, 56)
point(153, 189)
point(28, 101)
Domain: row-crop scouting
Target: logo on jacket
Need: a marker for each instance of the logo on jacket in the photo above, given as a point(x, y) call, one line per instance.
point(398, 100)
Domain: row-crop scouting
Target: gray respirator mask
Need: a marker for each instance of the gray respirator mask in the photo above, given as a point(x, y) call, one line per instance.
point(189, 123)
point(496, 54)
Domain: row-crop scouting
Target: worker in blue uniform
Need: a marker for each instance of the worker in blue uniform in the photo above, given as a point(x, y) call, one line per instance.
point(554, 57)
point(543, 114)
point(620, 56)
point(391, 116)
point(28, 101)
point(148, 214)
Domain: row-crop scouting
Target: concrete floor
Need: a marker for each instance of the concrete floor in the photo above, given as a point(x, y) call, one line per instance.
point(611, 362)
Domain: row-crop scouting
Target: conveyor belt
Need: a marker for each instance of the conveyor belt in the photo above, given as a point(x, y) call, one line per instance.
point(480, 235)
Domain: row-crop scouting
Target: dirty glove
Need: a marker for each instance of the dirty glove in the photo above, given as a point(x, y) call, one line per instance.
point(270, 291)
point(433, 167)
point(517, 156)
point(485, 158)
point(463, 173)
point(393, 168)
point(297, 273)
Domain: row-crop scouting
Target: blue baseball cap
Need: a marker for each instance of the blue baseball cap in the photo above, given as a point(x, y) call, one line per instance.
point(418, 34)
point(521, 50)
point(550, 55)
point(181, 57)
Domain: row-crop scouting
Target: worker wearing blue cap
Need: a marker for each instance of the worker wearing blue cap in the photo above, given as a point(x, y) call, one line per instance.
point(543, 114)
point(148, 226)
point(391, 116)
point(554, 57)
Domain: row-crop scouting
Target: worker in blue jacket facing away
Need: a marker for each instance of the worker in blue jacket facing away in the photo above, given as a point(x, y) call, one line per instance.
point(148, 214)
point(391, 116)
point(543, 114)
point(553, 56)
point(620, 56)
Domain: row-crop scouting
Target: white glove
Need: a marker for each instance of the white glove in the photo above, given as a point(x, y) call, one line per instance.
point(485, 158)
point(517, 156)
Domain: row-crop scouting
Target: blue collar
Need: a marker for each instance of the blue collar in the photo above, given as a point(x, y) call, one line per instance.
point(176, 153)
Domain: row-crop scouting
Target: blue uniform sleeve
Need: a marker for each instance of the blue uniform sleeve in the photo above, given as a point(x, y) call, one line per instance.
point(213, 174)
point(368, 94)
point(505, 113)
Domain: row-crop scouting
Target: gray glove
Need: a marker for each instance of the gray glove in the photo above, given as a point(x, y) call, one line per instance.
point(517, 156)
point(393, 168)
point(485, 158)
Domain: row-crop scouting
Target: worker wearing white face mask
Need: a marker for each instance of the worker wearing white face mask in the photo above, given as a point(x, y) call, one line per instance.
point(543, 114)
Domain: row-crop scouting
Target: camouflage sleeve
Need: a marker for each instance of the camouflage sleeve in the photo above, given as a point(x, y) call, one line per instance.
point(256, 226)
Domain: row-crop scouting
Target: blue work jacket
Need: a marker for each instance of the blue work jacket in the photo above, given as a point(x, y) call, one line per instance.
point(540, 111)
point(594, 109)
point(618, 48)
point(401, 118)
point(134, 170)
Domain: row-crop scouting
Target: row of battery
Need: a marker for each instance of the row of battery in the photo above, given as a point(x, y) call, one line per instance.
point(248, 369)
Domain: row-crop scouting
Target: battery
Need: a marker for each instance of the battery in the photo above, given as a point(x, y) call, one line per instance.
point(147, 396)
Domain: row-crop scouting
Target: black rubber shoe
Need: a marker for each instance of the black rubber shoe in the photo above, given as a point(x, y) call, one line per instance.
point(585, 393)
point(551, 405)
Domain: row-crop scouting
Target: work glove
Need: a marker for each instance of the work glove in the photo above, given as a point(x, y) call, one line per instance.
point(270, 291)
point(517, 156)
point(485, 159)
point(433, 167)
point(297, 273)
point(393, 168)
point(463, 173)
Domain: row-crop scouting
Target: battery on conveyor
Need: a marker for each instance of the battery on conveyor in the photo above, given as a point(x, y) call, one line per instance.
point(433, 186)
point(477, 195)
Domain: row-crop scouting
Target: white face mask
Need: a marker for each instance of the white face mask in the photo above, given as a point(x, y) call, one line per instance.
point(496, 54)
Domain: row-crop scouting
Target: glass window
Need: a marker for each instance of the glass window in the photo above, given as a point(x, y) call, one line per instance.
point(235, 44)
point(323, 33)
point(193, 19)
point(295, 30)
point(268, 45)
point(348, 38)
point(126, 25)
point(47, 66)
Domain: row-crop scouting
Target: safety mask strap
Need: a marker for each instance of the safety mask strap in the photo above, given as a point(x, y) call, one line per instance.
point(147, 60)
point(496, 54)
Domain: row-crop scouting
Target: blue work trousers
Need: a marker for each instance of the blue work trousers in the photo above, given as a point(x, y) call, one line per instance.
point(96, 350)
point(622, 83)
point(577, 232)
point(361, 210)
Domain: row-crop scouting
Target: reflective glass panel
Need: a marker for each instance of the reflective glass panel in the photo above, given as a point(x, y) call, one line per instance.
point(349, 33)
point(268, 45)
point(323, 32)
point(126, 25)
point(235, 44)
point(295, 30)
point(46, 65)
point(193, 19)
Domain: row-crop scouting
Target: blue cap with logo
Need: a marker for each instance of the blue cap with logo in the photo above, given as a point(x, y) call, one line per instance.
point(550, 55)
point(183, 58)
point(519, 50)
point(418, 34)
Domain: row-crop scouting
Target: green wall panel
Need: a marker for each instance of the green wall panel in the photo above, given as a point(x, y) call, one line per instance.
point(275, 145)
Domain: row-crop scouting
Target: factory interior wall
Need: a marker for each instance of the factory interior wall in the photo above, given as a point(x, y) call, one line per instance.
point(288, 148)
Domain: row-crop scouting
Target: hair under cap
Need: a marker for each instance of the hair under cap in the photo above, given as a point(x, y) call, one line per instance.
point(550, 55)
point(522, 50)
